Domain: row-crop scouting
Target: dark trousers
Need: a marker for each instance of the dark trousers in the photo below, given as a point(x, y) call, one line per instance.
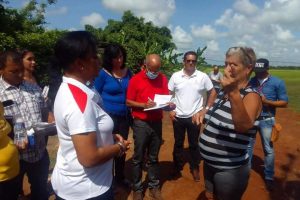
point(37, 173)
point(147, 138)
point(108, 195)
point(9, 189)
point(180, 126)
point(121, 126)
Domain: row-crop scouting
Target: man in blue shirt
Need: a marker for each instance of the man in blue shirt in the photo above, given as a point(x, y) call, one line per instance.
point(273, 95)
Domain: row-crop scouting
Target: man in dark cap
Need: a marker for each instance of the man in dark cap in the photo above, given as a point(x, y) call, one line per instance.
point(273, 95)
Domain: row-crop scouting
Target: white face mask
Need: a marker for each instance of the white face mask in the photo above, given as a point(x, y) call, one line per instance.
point(151, 75)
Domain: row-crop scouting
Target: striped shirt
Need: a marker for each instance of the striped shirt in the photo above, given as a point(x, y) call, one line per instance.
point(28, 103)
point(220, 145)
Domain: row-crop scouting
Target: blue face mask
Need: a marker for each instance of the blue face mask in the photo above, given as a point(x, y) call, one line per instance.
point(151, 75)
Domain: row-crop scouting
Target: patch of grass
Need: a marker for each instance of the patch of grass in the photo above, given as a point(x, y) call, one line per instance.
point(292, 81)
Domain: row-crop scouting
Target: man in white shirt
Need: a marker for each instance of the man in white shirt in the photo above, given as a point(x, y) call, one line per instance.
point(215, 76)
point(190, 89)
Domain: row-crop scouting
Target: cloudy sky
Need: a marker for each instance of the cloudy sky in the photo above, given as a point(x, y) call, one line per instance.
point(271, 27)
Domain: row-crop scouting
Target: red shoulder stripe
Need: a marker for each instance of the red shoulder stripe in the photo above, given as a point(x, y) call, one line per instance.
point(79, 95)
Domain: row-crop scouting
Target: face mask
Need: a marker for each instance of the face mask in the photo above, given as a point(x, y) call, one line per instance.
point(151, 75)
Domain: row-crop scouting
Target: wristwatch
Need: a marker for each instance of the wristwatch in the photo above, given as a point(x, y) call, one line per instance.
point(207, 108)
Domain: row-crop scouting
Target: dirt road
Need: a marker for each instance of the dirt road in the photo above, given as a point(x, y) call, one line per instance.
point(287, 170)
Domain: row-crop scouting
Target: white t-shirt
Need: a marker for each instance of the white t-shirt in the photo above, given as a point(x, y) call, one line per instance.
point(76, 111)
point(190, 92)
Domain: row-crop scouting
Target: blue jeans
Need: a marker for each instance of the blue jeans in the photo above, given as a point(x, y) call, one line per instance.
point(226, 184)
point(265, 130)
point(147, 138)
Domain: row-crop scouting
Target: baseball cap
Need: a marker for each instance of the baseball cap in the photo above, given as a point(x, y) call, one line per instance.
point(261, 65)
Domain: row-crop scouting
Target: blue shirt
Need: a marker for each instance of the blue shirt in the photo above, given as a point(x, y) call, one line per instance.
point(113, 92)
point(273, 89)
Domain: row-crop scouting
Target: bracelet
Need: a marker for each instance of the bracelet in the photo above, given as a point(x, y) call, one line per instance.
point(207, 108)
point(122, 148)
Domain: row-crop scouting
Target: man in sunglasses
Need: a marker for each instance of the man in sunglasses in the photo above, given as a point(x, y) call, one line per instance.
point(190, 89)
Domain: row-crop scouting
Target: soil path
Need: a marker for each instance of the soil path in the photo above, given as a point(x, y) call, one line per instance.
point(287, 167)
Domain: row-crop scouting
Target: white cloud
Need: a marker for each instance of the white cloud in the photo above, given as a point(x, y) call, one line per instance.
point(94, 19)
point(181, 38)
point(245, 7)
point(272, 30)
point(57, 11)
point(213, 45)
point(204, 32)
point(157, 11)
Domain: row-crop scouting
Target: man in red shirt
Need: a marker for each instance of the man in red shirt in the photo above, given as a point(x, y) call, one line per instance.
point(147, 126)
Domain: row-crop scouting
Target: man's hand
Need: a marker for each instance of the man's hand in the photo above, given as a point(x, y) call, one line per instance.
point(199, 117)
point(172, 115)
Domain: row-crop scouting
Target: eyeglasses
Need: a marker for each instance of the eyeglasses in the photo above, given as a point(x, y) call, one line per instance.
point(191, 61)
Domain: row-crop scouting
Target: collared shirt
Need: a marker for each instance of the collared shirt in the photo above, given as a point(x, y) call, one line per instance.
point(190, 92)
point(273, 89)
point(76, 111)
point(28, 103)
point(141, 88)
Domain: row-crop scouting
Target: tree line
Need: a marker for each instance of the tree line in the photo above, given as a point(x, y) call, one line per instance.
point(24, 28)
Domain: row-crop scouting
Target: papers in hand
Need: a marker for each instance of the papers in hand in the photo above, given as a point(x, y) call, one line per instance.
point(161, 102)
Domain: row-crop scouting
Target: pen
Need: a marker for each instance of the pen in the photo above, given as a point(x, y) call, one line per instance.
point(149, 99)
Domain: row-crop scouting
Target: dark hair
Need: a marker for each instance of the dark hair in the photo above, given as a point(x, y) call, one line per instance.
point(110, 52)
point(190, 53)
point(23, 52)
point(73, 45)
point(13, 54)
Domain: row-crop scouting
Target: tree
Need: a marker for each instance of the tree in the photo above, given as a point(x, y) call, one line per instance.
point(138, 38)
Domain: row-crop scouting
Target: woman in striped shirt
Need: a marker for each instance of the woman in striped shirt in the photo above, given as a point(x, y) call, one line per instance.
point(229, 124)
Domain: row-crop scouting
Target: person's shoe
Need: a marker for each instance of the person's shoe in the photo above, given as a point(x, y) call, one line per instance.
point(269, 184)
point(155, 194)
point(196, 175)
point(176, 174)
point(137, 195)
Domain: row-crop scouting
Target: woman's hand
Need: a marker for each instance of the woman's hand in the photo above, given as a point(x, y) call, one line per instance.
point(229, 82)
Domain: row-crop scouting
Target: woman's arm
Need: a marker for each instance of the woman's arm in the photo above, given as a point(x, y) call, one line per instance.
point(90, 155)
point(244, 111)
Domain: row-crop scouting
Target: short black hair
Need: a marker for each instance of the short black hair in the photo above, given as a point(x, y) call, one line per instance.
point(13, 54)
point(73, 45)
point(190, 53)
point(112, 51)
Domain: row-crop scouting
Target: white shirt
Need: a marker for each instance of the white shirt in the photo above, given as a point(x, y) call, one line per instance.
point(190, 92)
point(76, 111)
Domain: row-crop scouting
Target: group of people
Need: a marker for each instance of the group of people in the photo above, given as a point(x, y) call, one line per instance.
point(24, 105)
point(94, 109)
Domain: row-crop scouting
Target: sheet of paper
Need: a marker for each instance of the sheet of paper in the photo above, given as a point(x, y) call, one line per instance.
point(161, 101)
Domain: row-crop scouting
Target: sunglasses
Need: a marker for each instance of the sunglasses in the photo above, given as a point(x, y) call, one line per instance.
point(191, 61)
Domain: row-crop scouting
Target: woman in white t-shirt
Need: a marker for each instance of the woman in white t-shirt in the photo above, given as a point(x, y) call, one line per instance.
point(87, 147)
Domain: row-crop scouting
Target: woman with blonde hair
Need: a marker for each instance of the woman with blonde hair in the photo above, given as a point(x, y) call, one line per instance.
point(229, 125)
